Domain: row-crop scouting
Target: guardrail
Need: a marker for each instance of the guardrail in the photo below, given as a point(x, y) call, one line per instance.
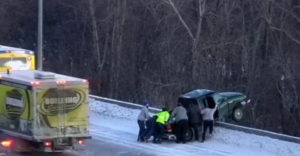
point(124, 104)
point(218, 123)
point(259, 132)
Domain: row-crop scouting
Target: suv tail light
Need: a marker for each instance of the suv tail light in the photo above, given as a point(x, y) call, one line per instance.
point(81, 142)
point(169, 128)
point(47, 144)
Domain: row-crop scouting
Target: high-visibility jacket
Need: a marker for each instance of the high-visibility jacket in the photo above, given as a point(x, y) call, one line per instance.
point(163, 117)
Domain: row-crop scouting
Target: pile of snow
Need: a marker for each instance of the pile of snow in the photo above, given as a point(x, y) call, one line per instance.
point(113, 111)
point(118, 124)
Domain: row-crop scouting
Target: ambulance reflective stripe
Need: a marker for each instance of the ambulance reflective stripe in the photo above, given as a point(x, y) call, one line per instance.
point(62, 100)
point(14, 102)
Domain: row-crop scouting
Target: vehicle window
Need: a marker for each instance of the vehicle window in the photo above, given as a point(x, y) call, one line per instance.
point(15, 63)
point(186, 101)
point(201, 103)
point(218, 98)
point(205, 102)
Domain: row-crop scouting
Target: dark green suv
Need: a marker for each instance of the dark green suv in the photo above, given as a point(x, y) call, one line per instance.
point(230, 104)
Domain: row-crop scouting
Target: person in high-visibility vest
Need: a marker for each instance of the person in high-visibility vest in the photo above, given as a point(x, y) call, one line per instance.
point(162, 118)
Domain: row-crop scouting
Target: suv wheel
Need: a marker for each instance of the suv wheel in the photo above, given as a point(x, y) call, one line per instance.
point(238, 114)
point(189, 135)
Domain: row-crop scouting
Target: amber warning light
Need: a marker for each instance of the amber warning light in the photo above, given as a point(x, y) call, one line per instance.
point(35, 83)
point(7, 143)
point(61, 82)
point(84, 81)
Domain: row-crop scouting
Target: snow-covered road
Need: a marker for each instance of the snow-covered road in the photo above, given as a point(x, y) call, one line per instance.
point(117, 124)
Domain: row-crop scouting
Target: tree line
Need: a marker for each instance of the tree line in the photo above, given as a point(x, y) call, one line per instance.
point(157, 49)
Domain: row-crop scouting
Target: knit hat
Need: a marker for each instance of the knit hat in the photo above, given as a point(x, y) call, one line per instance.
point(146, 103)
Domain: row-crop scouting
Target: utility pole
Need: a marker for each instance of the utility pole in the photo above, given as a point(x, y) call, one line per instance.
point(40, 37)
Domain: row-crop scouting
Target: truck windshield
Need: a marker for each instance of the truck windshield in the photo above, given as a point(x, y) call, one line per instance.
point(18, 63)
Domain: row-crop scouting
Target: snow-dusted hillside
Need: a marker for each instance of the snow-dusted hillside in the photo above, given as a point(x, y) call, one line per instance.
point(118, 124)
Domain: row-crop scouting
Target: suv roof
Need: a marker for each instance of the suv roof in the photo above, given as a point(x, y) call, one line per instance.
point(27, 77)
point(196, 93)
point(231, 94)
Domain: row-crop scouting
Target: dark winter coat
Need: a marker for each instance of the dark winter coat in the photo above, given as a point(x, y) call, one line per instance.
point(194, 114)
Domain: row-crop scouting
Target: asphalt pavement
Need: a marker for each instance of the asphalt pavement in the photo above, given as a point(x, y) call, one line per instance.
point(92, 147)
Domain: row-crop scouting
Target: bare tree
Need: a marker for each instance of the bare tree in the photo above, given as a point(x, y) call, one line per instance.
point(194, 36)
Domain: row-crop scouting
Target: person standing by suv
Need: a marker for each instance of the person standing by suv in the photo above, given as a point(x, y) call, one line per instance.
point(195, 118)
point(181, 121)
point(142, 118)
point(208, 117)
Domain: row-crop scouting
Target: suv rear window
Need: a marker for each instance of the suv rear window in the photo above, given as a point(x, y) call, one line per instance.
point(186, 101)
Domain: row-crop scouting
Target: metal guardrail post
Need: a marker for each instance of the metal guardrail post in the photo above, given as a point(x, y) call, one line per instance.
point(39, 58)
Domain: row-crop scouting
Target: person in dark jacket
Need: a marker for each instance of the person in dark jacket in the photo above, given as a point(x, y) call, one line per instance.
point(195, 119)
point(181, 121)
point(150, 124)
point(142, 118)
